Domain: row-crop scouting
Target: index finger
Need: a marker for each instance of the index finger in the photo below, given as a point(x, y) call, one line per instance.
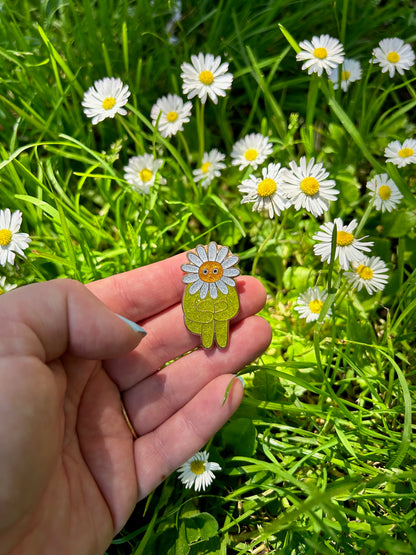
point(143, 292)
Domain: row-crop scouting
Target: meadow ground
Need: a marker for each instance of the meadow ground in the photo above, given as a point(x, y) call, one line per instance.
point(320, 456)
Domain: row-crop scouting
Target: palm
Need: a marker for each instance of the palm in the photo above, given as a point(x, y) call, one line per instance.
point(88, 472)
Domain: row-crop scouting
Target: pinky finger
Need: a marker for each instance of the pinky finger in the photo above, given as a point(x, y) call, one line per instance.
point(161, 451)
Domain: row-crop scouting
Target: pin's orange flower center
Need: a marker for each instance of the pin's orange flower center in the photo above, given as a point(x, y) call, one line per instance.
point(210, 271)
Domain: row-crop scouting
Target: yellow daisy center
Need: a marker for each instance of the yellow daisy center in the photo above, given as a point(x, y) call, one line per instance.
point(172, 116)
point(310, 186)
point(1, 291)
point(393, 57)
point(109, 103)
point(315, 306)
point(384, 192)
point(405, 152)
point(206, 77)
point(320, 53)
point(251, 154)
point(365, 272)
point(146, 175)
point(345, 75)
point(205, 167)
point(266, 187)
point(210, 272)
point(197, 467)
point(344, 238)
point(5, 237)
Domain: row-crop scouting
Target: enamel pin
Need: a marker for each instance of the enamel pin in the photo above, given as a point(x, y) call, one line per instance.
point(210, 300)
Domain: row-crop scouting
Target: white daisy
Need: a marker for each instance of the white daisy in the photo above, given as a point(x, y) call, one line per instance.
point(348, 248)
point(306, 186)
point(347, 73)
point(393, 55)
point(322, 53)
point(173, 114)
point(401, 154)
point(11, 241)
point(141, 171)
point(253, 149)
point(265, 193)
point(212, 164)
point(206, 76)
point(198, 472)
point(310, 303)
point(4, 287)
point(105, 99)
point(210, 269)
point(369, 273)
point(385, 192)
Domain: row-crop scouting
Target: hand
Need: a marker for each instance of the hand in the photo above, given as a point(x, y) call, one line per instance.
point(71, 472)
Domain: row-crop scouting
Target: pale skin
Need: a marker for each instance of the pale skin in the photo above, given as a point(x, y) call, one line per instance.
point(71, 472)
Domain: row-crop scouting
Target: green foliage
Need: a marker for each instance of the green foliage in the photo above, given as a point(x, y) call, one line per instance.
point(319, 458)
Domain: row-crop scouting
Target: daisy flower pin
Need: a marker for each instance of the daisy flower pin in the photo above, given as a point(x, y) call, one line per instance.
point(11, 242)
point(321, 53)
point(393, 55)
point(348, 248)
point(172, 113)
point(105, 99)
point(198, 472)
point(212, 164)
point(310, 303)
point(251, 150)
point(140, 172)
point(307, 186)
point(401, 154)
point(369, 273)
point(265, 192)
point(345, 74)
point(205, 76)
point(210, 299)
point(385, 192)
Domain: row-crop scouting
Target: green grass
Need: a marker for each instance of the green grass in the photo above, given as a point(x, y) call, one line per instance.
point(326, 463)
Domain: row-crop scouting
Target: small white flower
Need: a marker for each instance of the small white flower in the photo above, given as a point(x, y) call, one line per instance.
point(310, 303)
point(105, 99)
point(4, 287)
point(393, 55)
point(11, 241)
point(369, 273)
point(212, 164)
point(251, 150)
point(401, 154)
point(347, 73)
point(322, 53)
point(173, 114)
point(206, 76)
point(141, 171)
point(307, 186)
point(385, 192)
point(198, 472)
point(210, 270)
point(348, 248)
point(265, 193)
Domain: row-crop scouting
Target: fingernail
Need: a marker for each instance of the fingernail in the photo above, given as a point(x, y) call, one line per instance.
point(135, 327)
point(242, 380)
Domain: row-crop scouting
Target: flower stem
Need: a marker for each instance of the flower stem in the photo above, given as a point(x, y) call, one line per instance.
point(200, 126)
point(276, 230)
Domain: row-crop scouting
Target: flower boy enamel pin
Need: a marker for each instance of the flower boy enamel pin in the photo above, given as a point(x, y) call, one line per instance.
point(210, 300)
